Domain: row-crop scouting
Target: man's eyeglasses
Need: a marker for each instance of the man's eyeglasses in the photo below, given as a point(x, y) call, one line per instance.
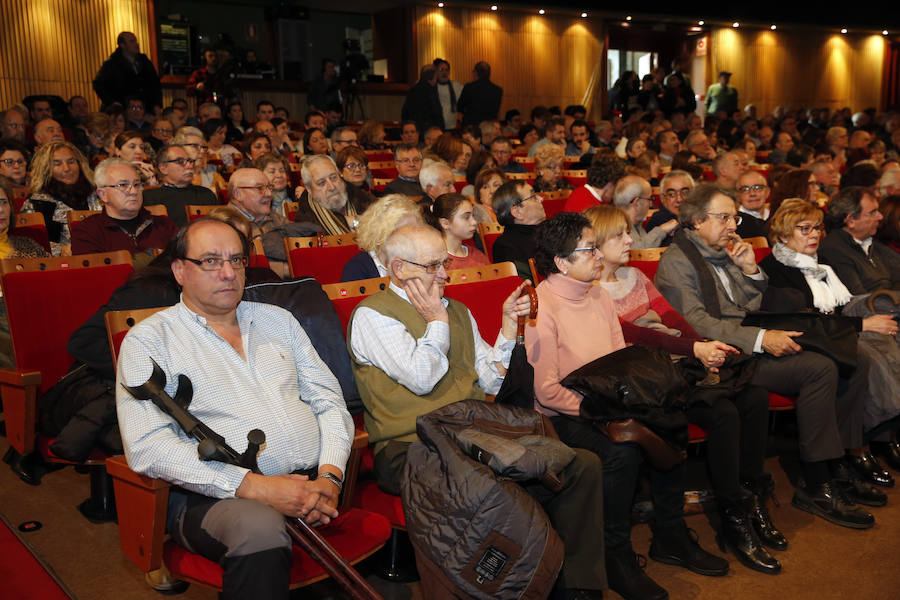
point(725, 217)
point(672, 194)
point(808, 229)
point(125, 186)
point(531, 197)
point(640, 199)
point(12, 161)
point(406, 161)
point(182, 161)
point(259, 188)
point(354, 142)
point(214, 263)
point(752, 188)
point(430, 268)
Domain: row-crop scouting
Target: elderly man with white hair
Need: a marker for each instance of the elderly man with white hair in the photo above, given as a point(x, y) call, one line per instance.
point(888, 184)
point(632, 195)
point(325, 201)
point(436, 179)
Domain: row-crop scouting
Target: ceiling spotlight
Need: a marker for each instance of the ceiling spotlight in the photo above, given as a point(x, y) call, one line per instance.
point(701, 23)
point(884, 32)
point(584, 15)
point(773, 27)
point(843, 30)
point(628, 18)
point(493, 7)
point(440, 5)
point(735, 24)
point(542, 11)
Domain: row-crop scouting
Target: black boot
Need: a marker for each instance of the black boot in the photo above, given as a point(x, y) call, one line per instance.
point(679, 546)
point(739, 537)
point(871, 470)
point(889, 452)
point(625, 576)
point(860, 491)
point(763, 488)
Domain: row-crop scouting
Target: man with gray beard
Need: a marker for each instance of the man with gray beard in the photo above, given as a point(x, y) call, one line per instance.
point(325, 201)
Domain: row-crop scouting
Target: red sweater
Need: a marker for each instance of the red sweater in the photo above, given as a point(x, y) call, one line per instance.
point(581, 199)
point(102, 233)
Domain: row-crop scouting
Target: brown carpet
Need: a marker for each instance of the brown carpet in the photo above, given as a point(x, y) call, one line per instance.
point(823, 562)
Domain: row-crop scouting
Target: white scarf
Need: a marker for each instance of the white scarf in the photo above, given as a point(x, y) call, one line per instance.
point(827, 290)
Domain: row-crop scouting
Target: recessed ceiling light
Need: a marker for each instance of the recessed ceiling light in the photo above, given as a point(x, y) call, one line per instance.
point(542, 11)
point(628, 18)
point(773, 27)
point(440, 5)
point(583, 15)
point(885, 32)
point(735, 24)
point(843, 30)
point(493, 7)
point(701, 22)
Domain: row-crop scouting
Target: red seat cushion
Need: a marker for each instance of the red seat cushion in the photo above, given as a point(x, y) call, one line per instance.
point(325, 264)
point(369, 496)
point(696, 433)
point(647, 267)
point(489, 239)
point(779, 402)
point(554, 207)
point(484, 299)
point(354, 535)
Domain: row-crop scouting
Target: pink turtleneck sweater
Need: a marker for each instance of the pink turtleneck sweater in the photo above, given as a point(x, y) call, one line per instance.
point(576, 323)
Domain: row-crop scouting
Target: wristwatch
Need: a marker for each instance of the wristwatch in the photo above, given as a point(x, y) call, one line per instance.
point(333, 479)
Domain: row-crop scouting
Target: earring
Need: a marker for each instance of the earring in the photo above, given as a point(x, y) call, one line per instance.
point(565, 272)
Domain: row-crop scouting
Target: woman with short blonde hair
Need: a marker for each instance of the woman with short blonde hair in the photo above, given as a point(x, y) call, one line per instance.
point(375, 226)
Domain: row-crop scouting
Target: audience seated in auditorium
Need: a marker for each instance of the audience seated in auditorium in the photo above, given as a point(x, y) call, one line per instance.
point(352, 163)
point(727, 168)
point(519, 209)
point(12, 125)
point(501, 150)
point(889, 228)
point(216, 131)
point(697, 142)
point(375, 225)
point(752, 193)
point(275, 167)
point(605, 170)
point(555, 133)
point(47, 130)
point(408, 162)
point(711, 278)
point(436, 179)
point(325, 201)
point(13, 162)
point(250, 192)
point(135, 115)
point(486, 183)
point(176, 169)
point(123, 224)
point(409, 133)
point(161, 132)
point(673, 190)
point(392, 351)
point(254, 145)
point(579, 142)
point(61, 180)
point(129, 146)
point(451, 215)
point(342, 137)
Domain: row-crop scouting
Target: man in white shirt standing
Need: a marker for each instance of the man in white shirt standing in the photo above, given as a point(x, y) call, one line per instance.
point(448, 93)
point(249, 363)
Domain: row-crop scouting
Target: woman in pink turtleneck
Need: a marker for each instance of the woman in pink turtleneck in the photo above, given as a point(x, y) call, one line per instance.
point(577, 323)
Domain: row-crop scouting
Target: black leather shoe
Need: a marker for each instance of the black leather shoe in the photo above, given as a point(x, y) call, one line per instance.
point(829, 502)
point(625, 576)
point(738, 537)
point(679, 546)
point(889, 452)
point(870, 470)
point(763, 488)
point(853, 485)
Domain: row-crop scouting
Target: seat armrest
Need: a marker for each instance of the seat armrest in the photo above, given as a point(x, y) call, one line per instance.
point(360, 442)
point(19, 390)
point(141, 504)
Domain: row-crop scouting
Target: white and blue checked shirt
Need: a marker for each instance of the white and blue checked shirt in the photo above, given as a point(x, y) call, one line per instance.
point(282, 388)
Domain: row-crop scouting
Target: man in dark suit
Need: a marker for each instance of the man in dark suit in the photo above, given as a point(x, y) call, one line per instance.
point(422, 105)
point(480, 99)
point(128, 72)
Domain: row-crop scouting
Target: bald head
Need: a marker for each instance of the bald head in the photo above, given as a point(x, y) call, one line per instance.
point(48, 130)
point(250, 192)
point(410, 247)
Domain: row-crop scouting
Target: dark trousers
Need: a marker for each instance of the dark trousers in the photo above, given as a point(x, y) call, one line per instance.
point(829, 411)
point(736, 437)
point(621, 467)
point(247, 538)
point(576, 511)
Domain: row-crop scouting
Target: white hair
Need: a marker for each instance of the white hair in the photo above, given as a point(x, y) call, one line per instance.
point(100, 171)
point(308, 162)
point(431, 172)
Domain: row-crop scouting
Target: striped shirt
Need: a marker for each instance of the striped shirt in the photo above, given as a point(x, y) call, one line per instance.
point(282, 388)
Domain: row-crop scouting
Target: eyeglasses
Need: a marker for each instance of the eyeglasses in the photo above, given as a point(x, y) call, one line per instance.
point(591, 249)
point(162, 130)
point(431, 268)
point(125, 186)
point(406, 161)
point(644, 199)
point(725, 217)
point(502, 152)
point(200, 146)
point(672, 194)
point(12, 161)
point(354, 142)
point(214, 263)
point(182, 161)
point(808, 229)
point(355, 166)
point(752, 188)
point(259, 188)
point(531, 197)
point(135, 107)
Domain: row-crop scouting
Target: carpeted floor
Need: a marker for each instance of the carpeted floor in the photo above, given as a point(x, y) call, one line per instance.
point(823, 562)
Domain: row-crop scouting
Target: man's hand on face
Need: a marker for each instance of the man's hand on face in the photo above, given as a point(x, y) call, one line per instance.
point(742, 255)
point(293, 495)
point(428, 302)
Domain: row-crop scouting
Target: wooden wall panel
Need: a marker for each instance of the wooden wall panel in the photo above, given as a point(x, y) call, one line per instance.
point(57, 46)
point(535, 59)
point(794, 69)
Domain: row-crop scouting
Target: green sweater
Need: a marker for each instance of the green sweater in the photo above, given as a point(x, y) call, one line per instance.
point(391, 409)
